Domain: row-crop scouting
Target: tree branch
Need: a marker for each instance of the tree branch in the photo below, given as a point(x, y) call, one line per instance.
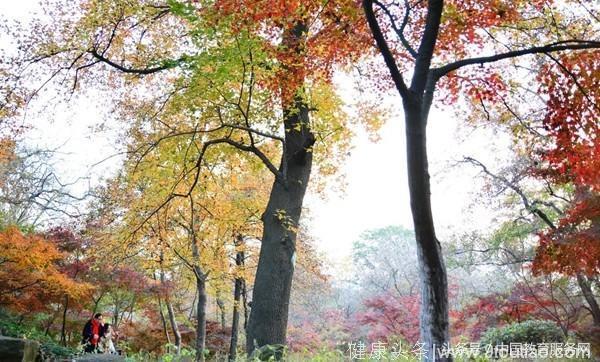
point(399, 31)
point(140, 71)
point(529, 206)
point(425, 54)
point(552, 47)
point(388, 57)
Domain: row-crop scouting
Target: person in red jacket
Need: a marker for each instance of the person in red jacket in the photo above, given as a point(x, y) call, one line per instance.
point(92, 332)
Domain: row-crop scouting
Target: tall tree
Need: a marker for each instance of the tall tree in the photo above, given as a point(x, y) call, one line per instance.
point(311, 42)
point(448, 35)
point(227, 74)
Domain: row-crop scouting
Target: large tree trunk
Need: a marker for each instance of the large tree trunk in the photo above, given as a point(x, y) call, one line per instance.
point(201, 314)
point(589, 297)
point(271, 295)
point(434, 325)
point(237, 298)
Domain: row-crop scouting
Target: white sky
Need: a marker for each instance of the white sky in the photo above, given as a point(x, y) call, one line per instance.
point(377, 191)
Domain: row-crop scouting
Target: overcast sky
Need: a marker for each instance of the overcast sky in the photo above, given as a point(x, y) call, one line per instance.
point(376, 194)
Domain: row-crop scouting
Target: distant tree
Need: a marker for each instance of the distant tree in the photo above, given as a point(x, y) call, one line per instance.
point(378, 270)
point(388, 316)
point(31, 191)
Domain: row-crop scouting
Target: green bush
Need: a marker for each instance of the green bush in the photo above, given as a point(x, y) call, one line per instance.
point(269, 352)
point(532, 332)
point(49, 348)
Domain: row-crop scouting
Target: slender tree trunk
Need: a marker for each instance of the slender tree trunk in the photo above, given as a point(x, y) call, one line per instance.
point(221, 311)
point(63, 329)
point(169, 306)
point(245, 304)
point(163, 321)
point(201, 314)
point(96, 303)
point(130, 313)
point(50, 323)
point(174, 325)
point(588, 294)
point(272, 286)
point(193, 307)
point(117, 311)
point(237, 293)
point(201, 277)
point(237, 296)
point(434, 325)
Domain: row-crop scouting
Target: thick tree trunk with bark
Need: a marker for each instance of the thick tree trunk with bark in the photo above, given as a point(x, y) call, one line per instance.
point(271, 295)
point(589, 297)
point(237, 298)
point(434, 324)
point(270, 301)
point(417, 99)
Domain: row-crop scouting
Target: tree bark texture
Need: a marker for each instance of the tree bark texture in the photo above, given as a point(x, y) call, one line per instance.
point(271, 295)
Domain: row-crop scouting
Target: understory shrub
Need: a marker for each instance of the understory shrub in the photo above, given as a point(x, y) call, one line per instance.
point(531, 331)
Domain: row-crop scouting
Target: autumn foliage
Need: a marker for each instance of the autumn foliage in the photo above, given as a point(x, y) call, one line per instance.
point(30, 276)
point(390, 316)
point(328, 27)
point(572, 83)
point(219, 100)
point(574, 247)
point(522, 302)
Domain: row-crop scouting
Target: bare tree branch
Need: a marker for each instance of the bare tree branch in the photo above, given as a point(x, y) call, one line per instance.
point(399, 30)
point(388, 57)
point(140, 71)
point(573, 44)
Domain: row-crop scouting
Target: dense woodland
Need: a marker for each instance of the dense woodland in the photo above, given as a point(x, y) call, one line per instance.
point(229, 113)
